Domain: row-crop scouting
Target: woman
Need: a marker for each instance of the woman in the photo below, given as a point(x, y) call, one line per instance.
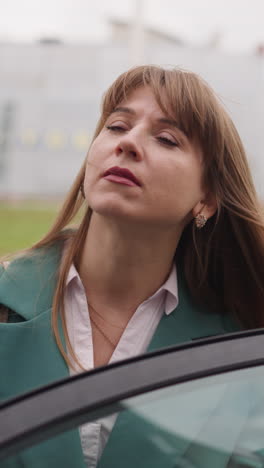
point(170, 246)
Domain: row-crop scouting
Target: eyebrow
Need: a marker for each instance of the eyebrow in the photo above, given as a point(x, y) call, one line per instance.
point(172, 123)
point(126, 110)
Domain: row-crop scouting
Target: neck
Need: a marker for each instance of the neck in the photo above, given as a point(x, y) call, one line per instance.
point(121, 265)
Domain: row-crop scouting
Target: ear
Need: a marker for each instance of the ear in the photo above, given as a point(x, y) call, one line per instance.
point(207, 206)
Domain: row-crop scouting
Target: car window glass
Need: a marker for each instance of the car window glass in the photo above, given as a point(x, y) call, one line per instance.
point(214, 421)
point(217, 421)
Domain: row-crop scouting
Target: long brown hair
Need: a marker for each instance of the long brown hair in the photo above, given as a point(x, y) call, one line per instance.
point(224, 262)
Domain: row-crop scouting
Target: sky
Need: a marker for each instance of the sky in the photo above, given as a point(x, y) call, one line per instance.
point(236, 25)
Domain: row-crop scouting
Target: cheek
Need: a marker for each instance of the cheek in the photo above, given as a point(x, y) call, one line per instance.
point(94, 167)
point(178, 186)
point(186, 176)
point(91, 156)
point(94, 160)
point(91, 172)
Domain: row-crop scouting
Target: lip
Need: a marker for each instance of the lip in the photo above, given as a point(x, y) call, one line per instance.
point(121, 175)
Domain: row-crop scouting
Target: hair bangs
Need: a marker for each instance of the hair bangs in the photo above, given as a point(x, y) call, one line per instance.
point(182, 96)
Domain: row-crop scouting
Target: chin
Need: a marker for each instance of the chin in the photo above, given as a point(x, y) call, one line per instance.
point(108, 207)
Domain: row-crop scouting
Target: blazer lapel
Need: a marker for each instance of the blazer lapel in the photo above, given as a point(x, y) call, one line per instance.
point(134, 439)
point(189, 322)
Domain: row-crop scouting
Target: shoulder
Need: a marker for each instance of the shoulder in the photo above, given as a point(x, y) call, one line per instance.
point(27, 285)
point(38, 261)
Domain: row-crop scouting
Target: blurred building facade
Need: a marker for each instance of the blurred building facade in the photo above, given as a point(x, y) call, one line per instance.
point(50, 97)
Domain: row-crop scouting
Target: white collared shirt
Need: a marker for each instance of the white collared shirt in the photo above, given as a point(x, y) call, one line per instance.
point(135, 340)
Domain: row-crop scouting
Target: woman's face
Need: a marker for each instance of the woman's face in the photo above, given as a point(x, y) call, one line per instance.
point(142, 168)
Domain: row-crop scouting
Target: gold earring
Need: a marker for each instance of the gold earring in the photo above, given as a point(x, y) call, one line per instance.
point(200, 221)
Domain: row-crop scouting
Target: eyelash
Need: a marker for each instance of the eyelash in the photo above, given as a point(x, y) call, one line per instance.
point(162, 140)
point(167, 141)
point(115, 128)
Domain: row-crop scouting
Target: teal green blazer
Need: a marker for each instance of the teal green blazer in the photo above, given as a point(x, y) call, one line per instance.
point(29, 356)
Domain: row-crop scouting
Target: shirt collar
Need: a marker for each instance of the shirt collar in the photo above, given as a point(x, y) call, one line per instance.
point(72, 275)
point(170, 287)
point(169, 290)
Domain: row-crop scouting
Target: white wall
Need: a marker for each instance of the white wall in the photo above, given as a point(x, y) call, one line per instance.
point(55, 92)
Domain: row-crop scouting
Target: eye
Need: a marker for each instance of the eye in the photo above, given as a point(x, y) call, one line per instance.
point(167, 141)
point(115, 128)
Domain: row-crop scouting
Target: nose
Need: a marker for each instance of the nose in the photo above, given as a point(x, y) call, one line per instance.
point(127, 146)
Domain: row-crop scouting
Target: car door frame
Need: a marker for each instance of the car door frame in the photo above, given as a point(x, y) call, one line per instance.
point(45, 412)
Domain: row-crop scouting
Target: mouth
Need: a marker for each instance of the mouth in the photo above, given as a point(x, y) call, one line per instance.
point(122, 176)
